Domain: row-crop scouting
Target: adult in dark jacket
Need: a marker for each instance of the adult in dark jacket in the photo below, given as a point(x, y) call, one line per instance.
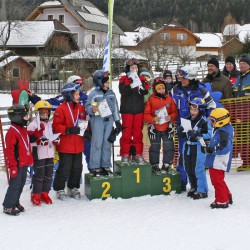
point(241, 86)
point(132, 109)
point(230, 70)
point(218, 81)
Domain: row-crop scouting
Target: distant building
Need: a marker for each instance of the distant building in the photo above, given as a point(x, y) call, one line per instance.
point(87, 23)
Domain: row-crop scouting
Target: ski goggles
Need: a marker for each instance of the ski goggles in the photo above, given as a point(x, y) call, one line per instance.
point(181, 73)
point(79, 81)
point(44, 111)
point(212, 120)
point(76, 87)
point(132, 61)
point(158, 80)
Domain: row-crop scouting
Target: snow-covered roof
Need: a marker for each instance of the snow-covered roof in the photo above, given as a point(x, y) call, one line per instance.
point(133, 38)
point(144, 30)
point(235, 29)
point(243, 34)
point(4, 53)
point(8, 60)
point(118, 53)
point(209, 40)
point(28, 33)
point(51, 3)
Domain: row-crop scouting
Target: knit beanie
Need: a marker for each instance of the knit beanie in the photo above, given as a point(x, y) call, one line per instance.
point(214, 61)
point(245, 58)
point(230, 59)
point(104, 79)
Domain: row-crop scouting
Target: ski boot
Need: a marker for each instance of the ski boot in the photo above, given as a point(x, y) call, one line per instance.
point(61, 195)
point(165, 168)
point(125, 159)
point(96, 172)
point(19, 208)
point(36, 199)
point(138, 159)
point(45, 198)
point(197, 195)
point(74, 193)
point(11, 211)
point(218, 205)
point(107, 171)
point(156, 169)
point(191, 192)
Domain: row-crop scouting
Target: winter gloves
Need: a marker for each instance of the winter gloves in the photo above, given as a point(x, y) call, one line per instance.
point(115, 131)
point(13, 171)
point(73, 130)
point(118, 127)
point(126, 80)
point(151, 132)
point(39, 133)
point(42, 142)
point(56, 142)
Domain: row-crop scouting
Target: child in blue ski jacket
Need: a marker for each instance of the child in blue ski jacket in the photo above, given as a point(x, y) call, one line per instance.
point(193, 154)
point(219, 156)
point(101, 122)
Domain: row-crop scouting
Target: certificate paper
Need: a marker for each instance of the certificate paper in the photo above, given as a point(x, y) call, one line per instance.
point(162, 114)
point(103, 109)
point(136, 80)
point(186, 124)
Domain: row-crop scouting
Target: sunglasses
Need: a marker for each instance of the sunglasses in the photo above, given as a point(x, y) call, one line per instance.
point(132, 61)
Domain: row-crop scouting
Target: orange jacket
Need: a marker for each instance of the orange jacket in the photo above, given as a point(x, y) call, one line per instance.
point(154, 103)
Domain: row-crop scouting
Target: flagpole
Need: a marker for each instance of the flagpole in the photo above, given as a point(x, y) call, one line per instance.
point(111, 10)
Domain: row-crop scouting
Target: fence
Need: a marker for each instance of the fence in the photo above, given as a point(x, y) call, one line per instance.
point(240, 118)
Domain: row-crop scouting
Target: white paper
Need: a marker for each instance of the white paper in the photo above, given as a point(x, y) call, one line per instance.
point(186, 124)
point(202, 142)
point(136, 80)
point(52, 138)
point(82, 124)
point(104, 109)
point(162, 113)
point(38, 121)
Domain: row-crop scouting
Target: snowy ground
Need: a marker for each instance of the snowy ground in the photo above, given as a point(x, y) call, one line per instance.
point(171, 222)
point(160, 222)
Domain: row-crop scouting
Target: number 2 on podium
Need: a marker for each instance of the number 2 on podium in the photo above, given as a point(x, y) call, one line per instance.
point(107, 186)
point(137, 172)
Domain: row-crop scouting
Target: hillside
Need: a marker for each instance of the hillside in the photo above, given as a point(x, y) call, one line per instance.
point(197, 15)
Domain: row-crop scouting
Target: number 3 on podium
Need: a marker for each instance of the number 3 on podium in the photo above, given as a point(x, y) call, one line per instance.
point(167, 182)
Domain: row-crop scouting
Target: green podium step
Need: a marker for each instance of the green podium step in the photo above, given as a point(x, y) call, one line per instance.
point(131, 180)
point(102, 187)
point(136, 179)
point(165, 183)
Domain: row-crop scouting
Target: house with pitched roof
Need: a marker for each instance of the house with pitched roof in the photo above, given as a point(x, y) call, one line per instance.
point(13, 68)
point(88, 24)
point(41, 43)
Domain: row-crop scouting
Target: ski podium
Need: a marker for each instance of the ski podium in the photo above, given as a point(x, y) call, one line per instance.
point(131, 180)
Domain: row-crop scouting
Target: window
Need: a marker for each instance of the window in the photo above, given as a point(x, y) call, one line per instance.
point(75, 36)
point(16, 72)
point(165, 36)
point(181, 36)
point(50, 17)
point(61, 18)
point(33, 63)
point(93, 39)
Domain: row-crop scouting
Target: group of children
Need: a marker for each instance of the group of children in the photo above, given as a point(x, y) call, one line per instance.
point(33, 145)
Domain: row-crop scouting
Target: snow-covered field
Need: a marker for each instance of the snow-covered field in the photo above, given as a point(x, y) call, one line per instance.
point(160, 222)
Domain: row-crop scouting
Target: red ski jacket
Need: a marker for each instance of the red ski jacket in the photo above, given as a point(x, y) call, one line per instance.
point(18, 150)
point(154, 103)
point(69, 143)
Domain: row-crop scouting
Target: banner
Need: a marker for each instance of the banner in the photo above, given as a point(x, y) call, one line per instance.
point(107, 66)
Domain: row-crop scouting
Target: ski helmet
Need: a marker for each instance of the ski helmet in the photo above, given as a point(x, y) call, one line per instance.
point(198, 103)
point(16, 114)
point(219, 117)
point(187, 71)
point(43, 107)
point(68, 90)
point(100, 77)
